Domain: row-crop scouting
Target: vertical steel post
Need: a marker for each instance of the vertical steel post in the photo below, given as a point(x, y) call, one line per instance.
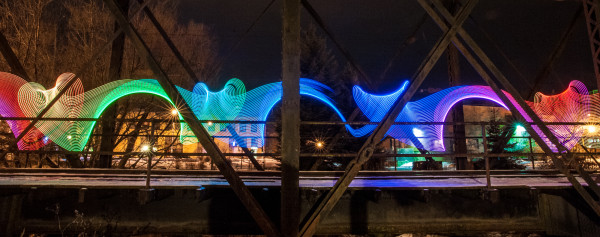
point(235, 182)
point(324, 206)
point(188, 68)
point(395, 157)
point(558, 161)
point(150, 155)
point(532, 156)
point(486, 157)
point(290, 122)
point(458, 113)
point(107, 141)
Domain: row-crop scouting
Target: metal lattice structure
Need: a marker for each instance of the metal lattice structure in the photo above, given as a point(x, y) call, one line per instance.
point(291, 88)
point(592, 17)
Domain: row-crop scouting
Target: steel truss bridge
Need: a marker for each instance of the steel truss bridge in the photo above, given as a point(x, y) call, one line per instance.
point(296, 219)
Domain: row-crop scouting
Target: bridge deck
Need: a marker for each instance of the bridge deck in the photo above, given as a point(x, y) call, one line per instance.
point(382, 180)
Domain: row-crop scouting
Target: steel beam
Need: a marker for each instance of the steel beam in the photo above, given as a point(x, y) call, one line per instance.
point(246, 151)
point(366, 151)
point(290, 119)
point(169, 42)
point(363, 76)
point(517, 97)
point(11, 58)
point(65, 89)
point(313, 13)
point(458, 114)
point(188, 69)
point(538, 122)
point(591, 10)
point(254, 209)
point(31, 125)
point(555, 55)
point(107, 143)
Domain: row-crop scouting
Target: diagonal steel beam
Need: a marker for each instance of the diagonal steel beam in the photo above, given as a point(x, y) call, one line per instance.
point(188, 69)
point(246, 151)
point(496, 72)
point(541, 125)
point(363, 76)
point(555, 55)
point(236, 183)
point(66, 87)
point(366, 151)
point(592, 18)
point(169, 42)
point(315, 15)
point(356, 111)
point(11, 58)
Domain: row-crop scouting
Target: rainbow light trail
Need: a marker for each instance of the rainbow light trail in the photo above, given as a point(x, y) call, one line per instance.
point(570, 106)
point(233, 102)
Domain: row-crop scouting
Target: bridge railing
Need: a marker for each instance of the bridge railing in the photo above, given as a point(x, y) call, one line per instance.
point(392, 154)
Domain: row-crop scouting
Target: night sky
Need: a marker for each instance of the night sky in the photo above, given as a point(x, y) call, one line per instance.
point(372, 31)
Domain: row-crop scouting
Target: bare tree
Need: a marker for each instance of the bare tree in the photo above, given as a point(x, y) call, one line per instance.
point(195, 41)
point(30, 33)
point(51, 37)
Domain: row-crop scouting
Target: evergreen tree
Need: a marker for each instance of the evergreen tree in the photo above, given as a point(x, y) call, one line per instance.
point(498, 142)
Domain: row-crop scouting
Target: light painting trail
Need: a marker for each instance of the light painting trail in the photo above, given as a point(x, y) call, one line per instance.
point(570, 106)
point(234, 103)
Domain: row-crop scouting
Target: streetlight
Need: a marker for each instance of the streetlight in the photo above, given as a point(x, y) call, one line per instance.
point(519, 130)
point(319, 144)
point(174, 112)
point(591, 128)
point(145, 148)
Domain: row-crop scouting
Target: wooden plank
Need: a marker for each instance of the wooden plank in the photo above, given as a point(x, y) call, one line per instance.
point(254, 209)
point(366, 151)
point(290, 119)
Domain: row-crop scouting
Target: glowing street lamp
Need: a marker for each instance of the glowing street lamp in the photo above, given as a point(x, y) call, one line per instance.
point(520, 130)
point(145, 148)
point(174, 112)
point(591, 128)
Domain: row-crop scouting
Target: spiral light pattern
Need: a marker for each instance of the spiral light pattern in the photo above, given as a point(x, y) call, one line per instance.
point(234, 103)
